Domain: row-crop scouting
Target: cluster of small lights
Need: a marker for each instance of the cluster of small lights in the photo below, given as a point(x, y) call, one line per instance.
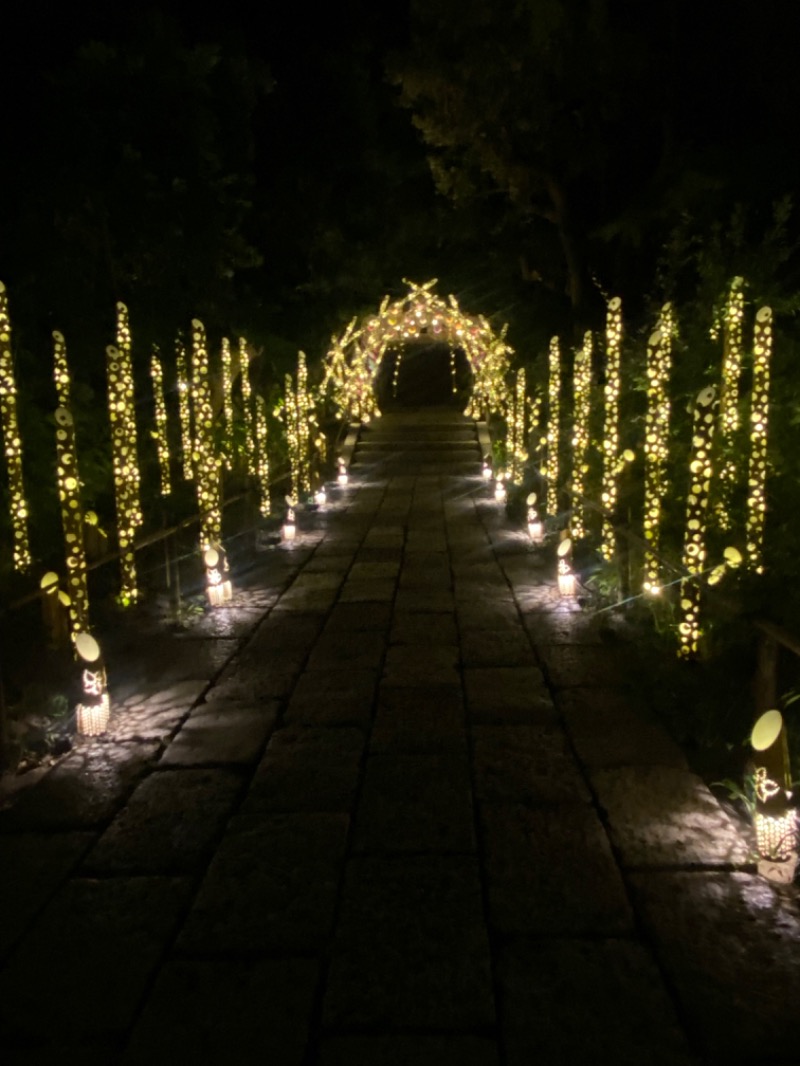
point(553, 414)
point(565, 575)
point(759, 414)
point(694, 544)
point(611, 426)
point(354, 358)
point(582, 409)
point(396, 372)
point(72, 521)
point(776, 835)
point(204, 457)
point(129, 408)
point(61, 374)
point(516, 422)
point(184, 408)
point(92, 714)
point(453, 374)
point(12, 442)
point(298, 418)
point(656, 441)
point(729, 398)
point(126, 469)
point(162, 429)
point(227, 402)
point(262, 459)
point(251, 429)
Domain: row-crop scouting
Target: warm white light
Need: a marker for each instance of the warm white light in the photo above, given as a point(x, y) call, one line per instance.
point(93, 712)
point(487, 472)
point(320, 497)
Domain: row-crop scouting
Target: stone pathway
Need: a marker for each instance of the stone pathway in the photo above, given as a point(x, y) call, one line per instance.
point(396, 806)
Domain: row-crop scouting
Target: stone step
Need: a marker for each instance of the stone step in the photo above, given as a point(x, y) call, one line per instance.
point(420, 433)
point(377, 445)
point(460, 468)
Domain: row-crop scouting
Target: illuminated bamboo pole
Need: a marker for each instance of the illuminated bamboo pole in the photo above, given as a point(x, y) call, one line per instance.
point(227, 403)
point(184, 408)
point(72, 522)
point(516, 428)
point(262, 435)
point(732, 354)
point(206, 467)
point(162, 427)
point(123, 451)
point(305, 408)
point(656, 442)
point(251, 428)
point(12, 441)
point(759, 414)
point(553, 415)
point(610, 488)
point(61, 369)
point(128, 396)
point(582, 408)
point(694, 544)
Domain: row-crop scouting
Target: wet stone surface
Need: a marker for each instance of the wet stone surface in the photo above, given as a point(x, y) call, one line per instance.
point(271, 886)
point(222, 731)
point(35, 867)
point(410, 949)
point(508, 695)
point(525, 764)
point(307, 769)
point(84, 790)
point(739, 981)
point(660, 816)
point(169, 823)
point(248, 1011)
point(90, 927)
point(550, 872)
point(586, 1001)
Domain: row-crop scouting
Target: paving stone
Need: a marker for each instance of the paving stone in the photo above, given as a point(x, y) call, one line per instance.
point(451, 1050)
point(162, 663)
point(526, 764)
point(244, 1011)
point(507, 695)
point(488, 612)
point(410, 949)
point(333, 696)
point(83, 790)
point(550, 872)
point(315, 581)
point(419, 719)
point(563, 625)
point(470, 592)
point(285, 632)
point(537, 598)
point(424, 599)
point(607, 730)
point(271, 886)
point(362, 571)
point(347, 651)
point(70, 960)
point(416, 665)
point(423, 627)
point(234, 621)
point(169, 824)
point(307, 769)
point(306, 600)
point(426, 540)
point(490, 647)
point(222, 731)
point(661, 816)
point(357, 617)
point(729, 944)
point(568, 666)
point(35, 866)
point(415, 802)
point(141, 721)
point(377, 590)
point(572, 1001)
point(431, 580)
point(248, 682)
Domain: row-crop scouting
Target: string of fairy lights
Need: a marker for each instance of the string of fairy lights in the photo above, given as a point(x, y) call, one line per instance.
point(582, 409)
point(610, 487)
point(656, 443)
point(226, 360)
point(759, 416)
point(732, 357)
point(161, 431)
point(551, 468)
point(206, 464)
point(184, 389)
point(12, 441)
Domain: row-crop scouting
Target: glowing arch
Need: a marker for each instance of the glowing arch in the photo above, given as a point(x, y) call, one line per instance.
point(354, 358)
